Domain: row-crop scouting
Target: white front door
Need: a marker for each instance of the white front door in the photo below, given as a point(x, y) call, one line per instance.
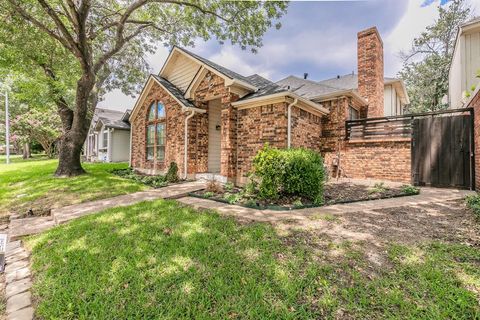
point(214, 135)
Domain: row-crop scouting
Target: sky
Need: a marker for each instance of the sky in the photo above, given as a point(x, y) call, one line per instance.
point(317, 37)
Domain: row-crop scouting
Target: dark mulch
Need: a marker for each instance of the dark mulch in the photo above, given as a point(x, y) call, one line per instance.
point(333, 194)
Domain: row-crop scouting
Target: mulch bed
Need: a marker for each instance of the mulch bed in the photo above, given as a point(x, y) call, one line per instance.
point(333, 194)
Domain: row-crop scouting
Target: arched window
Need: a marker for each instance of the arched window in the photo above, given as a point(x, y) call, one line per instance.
point(156, 131)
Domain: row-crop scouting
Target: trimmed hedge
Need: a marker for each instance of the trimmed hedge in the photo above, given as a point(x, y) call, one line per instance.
point(295, 172)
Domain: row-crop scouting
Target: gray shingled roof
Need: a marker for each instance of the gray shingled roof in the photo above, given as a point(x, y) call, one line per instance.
point(310, 89)
point(110, 118)
point(174, 91)
point(265, 87)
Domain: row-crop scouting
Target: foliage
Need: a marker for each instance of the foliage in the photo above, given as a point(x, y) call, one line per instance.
point(35, 125)
point(214, 186)
point(81, 50)
point(409, 189)
point(31, 184)
point(232, 198)
point(155, 181)
point(426, 65)
point(124, 265)
point(228, 186)
point(209, 194)
point(172, 173)
point(378, 187)
point(293, 171)
point(473, 202)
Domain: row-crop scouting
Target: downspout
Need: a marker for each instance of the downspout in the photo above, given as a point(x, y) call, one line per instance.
point(130, 147)
point(289, 125)
point(185, 159)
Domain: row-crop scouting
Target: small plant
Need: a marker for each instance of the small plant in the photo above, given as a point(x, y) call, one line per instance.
point(214, 186)
point(409, 189)
point(228, 186)
point(172, 173)
point(473, 202)
point(251, 203)
point(208, 194)
point(232, 197)
point(297, 203)
point(378, 187)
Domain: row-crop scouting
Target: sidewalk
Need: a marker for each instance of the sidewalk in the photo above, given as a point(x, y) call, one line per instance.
point(22, 227)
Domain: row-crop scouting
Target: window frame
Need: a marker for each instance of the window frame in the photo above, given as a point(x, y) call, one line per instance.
point(155, 122)
point(350, 113)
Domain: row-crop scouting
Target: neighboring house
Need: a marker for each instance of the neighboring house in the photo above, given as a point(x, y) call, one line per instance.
point(212, 121)
point(465, 64)
point(109, 136)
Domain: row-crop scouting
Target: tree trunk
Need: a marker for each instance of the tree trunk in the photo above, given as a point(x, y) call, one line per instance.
point(71, 143)
point(26, 151)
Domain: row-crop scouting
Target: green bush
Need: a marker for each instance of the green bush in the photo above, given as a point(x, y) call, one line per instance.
point(473, 202)
point(172, 173)
point(296, 172)
point(409, 189)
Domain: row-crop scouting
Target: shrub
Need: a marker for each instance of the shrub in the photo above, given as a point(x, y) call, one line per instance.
point(214, 186)
point(228, 186)
point(172, 173)
point(473, 202)
point(297, 172)
point(409, 189)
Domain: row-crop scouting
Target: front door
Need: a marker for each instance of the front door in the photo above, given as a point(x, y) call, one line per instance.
point(214, 135)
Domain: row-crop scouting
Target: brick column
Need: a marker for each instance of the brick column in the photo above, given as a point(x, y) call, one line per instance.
point(229, 136)
point(370, 71)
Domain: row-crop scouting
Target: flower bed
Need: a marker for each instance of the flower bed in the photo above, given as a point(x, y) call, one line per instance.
point(156, 181)
point(333, 194)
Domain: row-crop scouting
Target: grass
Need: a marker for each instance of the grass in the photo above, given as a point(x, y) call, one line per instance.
point(31, 184)
point(162, 260)
point(17, 158)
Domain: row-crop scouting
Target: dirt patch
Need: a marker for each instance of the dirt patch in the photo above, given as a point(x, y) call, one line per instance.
point(374, 230)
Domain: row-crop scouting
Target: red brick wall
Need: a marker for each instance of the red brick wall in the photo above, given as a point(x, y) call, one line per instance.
point(174, 132)
point(370, 71)
point(306, 130)
point(381, 160)
point(257, 126)
point(475, 104)
point(213, 87)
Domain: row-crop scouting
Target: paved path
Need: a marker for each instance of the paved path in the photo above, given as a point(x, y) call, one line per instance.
point(22, 227)
point(427, 195)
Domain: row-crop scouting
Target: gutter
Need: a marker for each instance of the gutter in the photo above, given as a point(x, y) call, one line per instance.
point(289, 125)
point(185, 158)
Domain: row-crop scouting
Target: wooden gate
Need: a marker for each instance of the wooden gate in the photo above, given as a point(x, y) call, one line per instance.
point(442, 149)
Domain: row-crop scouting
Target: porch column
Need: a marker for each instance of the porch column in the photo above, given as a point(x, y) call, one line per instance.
point(229, 137)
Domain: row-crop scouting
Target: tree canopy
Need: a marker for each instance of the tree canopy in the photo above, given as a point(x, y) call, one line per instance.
point(426, 65)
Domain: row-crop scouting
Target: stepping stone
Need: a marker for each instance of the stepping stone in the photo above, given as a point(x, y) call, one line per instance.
point(14, 245)
point(14, 251)
point(19, 301)
point(17, 287)
point(23, 314)
point(18, 256)
point(17, 275)
point(16, 265)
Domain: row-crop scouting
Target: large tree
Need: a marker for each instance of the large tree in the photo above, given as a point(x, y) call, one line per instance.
point(427, 63)
point(101, 44)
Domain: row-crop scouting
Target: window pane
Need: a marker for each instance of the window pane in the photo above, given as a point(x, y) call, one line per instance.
point(160, 110)
point(151, 112)
point(161, 153)
point(105, 139)
point(151, 134)
point(150, 153)
point(161, 134)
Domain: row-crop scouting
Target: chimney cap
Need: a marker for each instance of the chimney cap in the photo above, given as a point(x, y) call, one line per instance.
point(305, 75)
point(370, 31)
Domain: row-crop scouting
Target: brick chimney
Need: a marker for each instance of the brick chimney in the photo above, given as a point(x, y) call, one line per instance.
point(370, 70)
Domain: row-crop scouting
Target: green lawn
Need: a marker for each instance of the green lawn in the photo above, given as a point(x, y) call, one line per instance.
point(161, 260)
point(16, 158)
point(31, 184)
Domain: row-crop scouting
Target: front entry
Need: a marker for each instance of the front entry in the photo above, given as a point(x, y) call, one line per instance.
point(442, 150)
point(214, 135)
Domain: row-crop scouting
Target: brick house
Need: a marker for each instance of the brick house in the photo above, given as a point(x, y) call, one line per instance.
point(212, 121)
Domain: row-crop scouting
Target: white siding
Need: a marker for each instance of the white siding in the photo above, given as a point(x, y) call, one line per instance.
point(465, 64)
point(120, 145)
point(182, 71)
point(214, 135)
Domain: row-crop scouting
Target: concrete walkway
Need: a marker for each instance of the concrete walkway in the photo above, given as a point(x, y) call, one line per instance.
point(426, 196)
point(28, 226)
